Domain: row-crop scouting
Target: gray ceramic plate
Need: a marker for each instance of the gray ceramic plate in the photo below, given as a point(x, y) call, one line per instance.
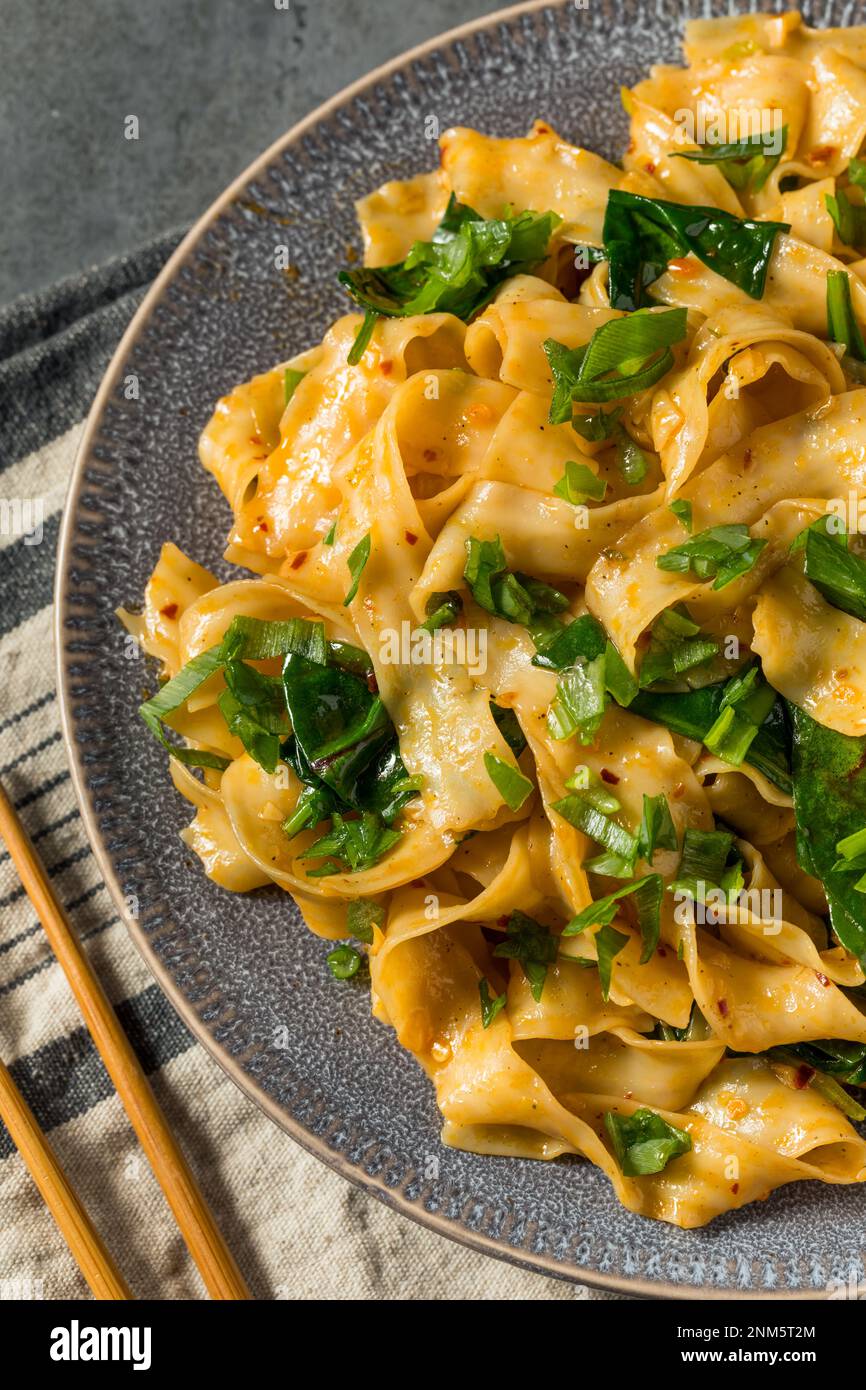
point(237, 968)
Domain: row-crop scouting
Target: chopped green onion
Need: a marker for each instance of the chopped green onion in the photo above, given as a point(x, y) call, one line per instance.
point(442, 610)
point(582, 640)
point(704, 865)
point(647, 893)
point(608, 943)
point(595, 791)
point(458, 272)
point(291, 381)
point(356, 562)
point(533, 945)
point(362, 338)
point(620, 682)
point(596, 425)
point(723, 552)
point(825, 1086)
point(852, 849)
point(515, 597)
point(509, 726)
point(579, 704)
point(657, 829)
point(579, 483)
point(747, 163)
point(490, 1006)
point(358, 843)
point(175, 693)
point(682, 510)
point(746, 703)
point(362, 915)
point(508, 780)
point(578, 810)
point(644, 1142)
point(631, 460)
point(848, 218)
point(842, 326)
point(624, 356)
point(344, 962)
point(837, 572)
point(676, 646)
point(258, 717)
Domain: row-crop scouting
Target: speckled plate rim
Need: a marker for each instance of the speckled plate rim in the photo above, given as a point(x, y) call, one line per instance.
point(443, 1226)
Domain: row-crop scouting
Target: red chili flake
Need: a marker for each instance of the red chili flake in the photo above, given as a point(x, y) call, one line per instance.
point(803, 1076)
point(255, 439)
point(723, 1007)
point(735, 1187)
point(430, 455)
point(418, 883)
point(386, 367)
point(660, 950)
point(678, 791)
point(822, 154)
point(502, 921)
point(650, 167)
point(169, 611)
point(609, 777)
point(822, 979)
point(261, 525)
point(747, 457)
point(411, 537)
point(627, 1095)
point(372, 683)
point(299, 560)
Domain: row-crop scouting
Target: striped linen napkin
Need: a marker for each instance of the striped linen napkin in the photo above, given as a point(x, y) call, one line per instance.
point(297, 1229)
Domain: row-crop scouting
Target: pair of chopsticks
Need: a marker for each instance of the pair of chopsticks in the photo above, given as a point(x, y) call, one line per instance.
point(204, 1240)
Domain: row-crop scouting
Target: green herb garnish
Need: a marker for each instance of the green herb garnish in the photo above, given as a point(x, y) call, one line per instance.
point(362, 915)
point(677, 645)
point(343, 962)
point(644, 1142)
point(490, 1005)
point(579, 483)
point(533, 945)
point(641, 235)
point(747, 163)
point(657, 829)
point(508, 780)
point(357, 562)
point(624, 356)
point(647, 896)
point(458, 272)
point(722, 553)
point(291, 381)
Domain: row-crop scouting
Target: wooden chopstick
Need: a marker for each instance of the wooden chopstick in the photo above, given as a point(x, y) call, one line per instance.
point(203, 1237)
point(79, 1232)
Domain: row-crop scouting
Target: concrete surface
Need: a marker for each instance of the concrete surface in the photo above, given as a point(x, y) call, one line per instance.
point(212, 83)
